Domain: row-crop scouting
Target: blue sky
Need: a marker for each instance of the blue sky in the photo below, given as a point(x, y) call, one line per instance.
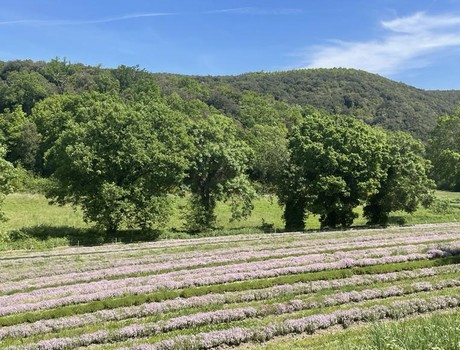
point(413, 41)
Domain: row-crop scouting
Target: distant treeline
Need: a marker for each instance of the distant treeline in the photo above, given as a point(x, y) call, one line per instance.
point(372, 98)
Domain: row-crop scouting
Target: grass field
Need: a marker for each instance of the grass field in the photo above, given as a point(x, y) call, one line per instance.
point(35, 224)
point(435, 331)
point(317, 290)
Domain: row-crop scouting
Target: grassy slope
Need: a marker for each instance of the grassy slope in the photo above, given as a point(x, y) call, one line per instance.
point(28, 210)
point(40, 225)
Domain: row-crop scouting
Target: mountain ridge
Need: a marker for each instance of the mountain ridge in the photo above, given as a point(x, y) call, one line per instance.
point(370, 97)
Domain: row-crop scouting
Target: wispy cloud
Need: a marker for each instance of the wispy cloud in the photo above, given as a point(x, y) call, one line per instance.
point(408, 43)
point(239, 10)
point(257, 11)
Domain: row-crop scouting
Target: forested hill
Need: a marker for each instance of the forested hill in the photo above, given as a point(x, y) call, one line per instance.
point(370, 97)
point(116, 142)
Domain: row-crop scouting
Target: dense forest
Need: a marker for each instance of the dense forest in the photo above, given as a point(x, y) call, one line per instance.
point(370, 97)
point(117, 142)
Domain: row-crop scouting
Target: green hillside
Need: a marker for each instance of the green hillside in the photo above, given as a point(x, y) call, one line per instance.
point(370, 97)
point(115, 140)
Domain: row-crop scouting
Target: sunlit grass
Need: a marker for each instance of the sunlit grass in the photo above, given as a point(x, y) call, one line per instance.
point(27, 210)
point(31, 213)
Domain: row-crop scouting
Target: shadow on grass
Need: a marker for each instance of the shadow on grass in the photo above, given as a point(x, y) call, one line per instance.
point(397, 220)
point(454, 259)
point(81, 236)
point(46, 236)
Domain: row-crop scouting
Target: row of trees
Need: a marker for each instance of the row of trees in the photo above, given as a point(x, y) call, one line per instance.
point(337, 163)
point(120, 160)
point(121, 152)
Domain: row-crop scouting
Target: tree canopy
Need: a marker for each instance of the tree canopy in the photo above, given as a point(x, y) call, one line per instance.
point(218, 171)
point(120, 164)
point(335, 164)
point(406, 184)
point(444, 152)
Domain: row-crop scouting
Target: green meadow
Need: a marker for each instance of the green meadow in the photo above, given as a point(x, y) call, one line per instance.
point(34, 223)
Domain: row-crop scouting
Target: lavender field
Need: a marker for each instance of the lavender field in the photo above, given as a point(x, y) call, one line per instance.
point(226, 291)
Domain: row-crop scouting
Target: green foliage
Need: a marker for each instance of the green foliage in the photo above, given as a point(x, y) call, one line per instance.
point(136, 84)
point(218, 172)
point(270, 147)
point(121, 163)
point(11, 124)
point(335, 164)
point(22, 241)
point(266, 123)
point(444, 152)
point(39, 101)
point(26, 181)
point(26, 147)
point(441, 206)
point(294, 207)
point(25, 89)
point(374, 99)
point(20, 136)
point(256, 109)
point(51, 116)
point(406, 184)
point(58, 72)
point(7, 175)
point(369, 97)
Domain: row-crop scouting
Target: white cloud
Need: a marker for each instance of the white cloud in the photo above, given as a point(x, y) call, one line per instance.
point(420, 22)
point(407, 44)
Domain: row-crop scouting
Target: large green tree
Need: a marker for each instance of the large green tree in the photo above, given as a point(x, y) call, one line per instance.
point(25, 89)
point(335, 164)
point(444, 152)
point(52, 115)
point(218, 171)
point(406, 184)
point(121, 163)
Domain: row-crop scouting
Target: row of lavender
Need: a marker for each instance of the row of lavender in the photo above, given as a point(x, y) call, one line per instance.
point(64, 272)
point(46, 298)
point(309, 324)
point(247, 239)
point(220, 316)
point(117, 256)
point(251, 311)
